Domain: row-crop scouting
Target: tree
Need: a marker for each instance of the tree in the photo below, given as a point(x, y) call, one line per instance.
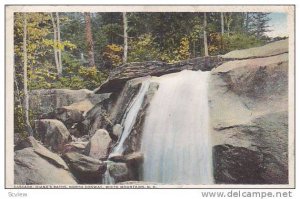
point(222, 23)
point(26, 96)
point(89, 39)
point(229, 20)
point(259, 24)
point(205, 35)
point(125, 25)
point(56, 43)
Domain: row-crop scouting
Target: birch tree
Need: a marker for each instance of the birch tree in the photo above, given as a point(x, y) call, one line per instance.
point(222, 23)
point(56, 43)
point(205, 36)
point(25, 80)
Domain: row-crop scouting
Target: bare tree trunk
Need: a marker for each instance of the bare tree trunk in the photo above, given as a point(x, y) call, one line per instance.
point(125, 37)
point(55, 42)
point(59, 40)
point(222, 23)
point(205, 36)
point(26, 97)
point(89, 39)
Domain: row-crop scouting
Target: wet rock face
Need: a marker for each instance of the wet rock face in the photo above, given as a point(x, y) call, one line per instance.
point(52, 133)
point(85, 169)
point(239, 165)
point(133, 142)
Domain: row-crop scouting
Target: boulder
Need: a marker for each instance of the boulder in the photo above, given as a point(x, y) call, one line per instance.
point(259, 79)
point(136, 157)
point(76, 146)
point(239, 165)
point(85, 169)
point(117, 130)
point(68, 116)
point(33, 168)
point(271, 49)
point(99, 145)
point(134, 162)
point(120, 75)
point(248, 103)
point(42, 151)
point(47, 100)
point(119, 172)
point(52, 133)
point(98, 117)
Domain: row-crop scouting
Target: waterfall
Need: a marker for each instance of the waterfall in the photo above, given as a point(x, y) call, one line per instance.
point(176, 141)
point(106, 178)
point(130, 117)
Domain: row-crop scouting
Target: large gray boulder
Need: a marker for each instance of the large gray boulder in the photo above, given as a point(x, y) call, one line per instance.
point(33, 163)
point(99, 145)
point(39, 149)
point(133, 161)
point(119, 172)
point(47, 100)
point(85, 169)
point(248, 102)
point(271, 49)
point(52, 133)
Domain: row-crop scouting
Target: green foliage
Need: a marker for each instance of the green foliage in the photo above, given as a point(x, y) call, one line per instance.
point(19, 121)
point(113, 54)
point(143, 48)
point(226, 43)
point(184, 49)
point(241, 41)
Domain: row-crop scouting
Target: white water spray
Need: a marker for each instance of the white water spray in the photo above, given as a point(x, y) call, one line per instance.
point(176, 140)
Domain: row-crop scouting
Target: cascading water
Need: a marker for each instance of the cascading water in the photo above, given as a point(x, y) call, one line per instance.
point(176, 141)
point(107, 179)
point(130, 117)
point(127, 122)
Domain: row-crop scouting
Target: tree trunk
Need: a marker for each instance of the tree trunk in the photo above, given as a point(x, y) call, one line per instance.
point(194, 48)
point(89, 39)
point(26, 96)
point(125, 37)
point(205, 36)
point(55, 43)
point(59, 40)
point(247, 22)
point(222, 23)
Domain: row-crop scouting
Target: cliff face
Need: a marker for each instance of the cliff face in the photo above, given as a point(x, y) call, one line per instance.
point(249, 116)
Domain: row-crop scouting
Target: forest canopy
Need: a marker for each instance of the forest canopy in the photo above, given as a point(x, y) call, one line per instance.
point(66, 49)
